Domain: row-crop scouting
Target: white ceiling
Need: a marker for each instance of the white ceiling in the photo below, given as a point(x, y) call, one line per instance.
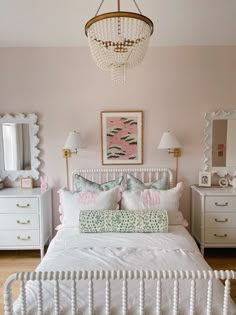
point(37, 23)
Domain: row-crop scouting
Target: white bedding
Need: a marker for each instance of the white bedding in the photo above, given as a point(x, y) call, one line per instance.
point(70, 250)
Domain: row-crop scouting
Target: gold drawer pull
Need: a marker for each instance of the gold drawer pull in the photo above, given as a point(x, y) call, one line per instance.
point(221, 221)
point(23, 222)
point(26, 238)
point(218, 235)
point(23, 206)
point(221, 204)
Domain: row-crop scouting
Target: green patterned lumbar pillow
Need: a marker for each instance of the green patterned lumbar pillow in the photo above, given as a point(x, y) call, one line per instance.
point(135, 183)
point(83, 184)
point(143, 221)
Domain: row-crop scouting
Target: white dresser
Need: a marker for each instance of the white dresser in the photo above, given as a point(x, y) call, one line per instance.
point(25, 218)
point(214, 217)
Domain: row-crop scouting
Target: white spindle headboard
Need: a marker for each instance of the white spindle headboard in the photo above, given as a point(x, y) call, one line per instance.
point(100, 175)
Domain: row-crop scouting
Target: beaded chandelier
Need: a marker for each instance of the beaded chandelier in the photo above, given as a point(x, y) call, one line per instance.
point(118, 40)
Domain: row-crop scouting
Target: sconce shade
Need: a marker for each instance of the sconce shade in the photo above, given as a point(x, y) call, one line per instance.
point(73, 141)
point(168, 141)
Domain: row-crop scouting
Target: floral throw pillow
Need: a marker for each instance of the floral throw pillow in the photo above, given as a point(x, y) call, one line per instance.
point(123, 221)
point(83, 184)
point(135, 183)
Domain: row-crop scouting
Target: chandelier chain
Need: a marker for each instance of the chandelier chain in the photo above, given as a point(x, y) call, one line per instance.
point(102, 1)
point(99, 7)
point(137, 6)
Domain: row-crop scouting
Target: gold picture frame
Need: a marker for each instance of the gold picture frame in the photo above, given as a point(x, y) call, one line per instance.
point(122, 137)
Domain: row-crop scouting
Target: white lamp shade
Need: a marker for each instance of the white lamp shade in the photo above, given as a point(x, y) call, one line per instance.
point(169, 141)
point(73, 141)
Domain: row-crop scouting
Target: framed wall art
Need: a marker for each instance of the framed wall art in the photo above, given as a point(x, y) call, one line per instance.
point(122, 137)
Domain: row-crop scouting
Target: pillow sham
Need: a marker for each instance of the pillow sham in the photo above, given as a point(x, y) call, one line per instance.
point(71, 203)
point(83, 184)
point(135, 183)
point(151, 199)
point(123, 221)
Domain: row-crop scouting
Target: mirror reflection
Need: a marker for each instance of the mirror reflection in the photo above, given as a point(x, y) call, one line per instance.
point(223, 142)
point(16, 146)
point(19, 152)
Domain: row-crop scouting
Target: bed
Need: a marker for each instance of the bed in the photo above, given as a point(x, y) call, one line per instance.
point(123, 273)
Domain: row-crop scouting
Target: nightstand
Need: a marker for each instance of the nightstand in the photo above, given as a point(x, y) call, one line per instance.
point(214, 217)
point(25, 218)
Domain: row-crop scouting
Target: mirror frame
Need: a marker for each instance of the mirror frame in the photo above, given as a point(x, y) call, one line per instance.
point(30, 119)
point(208, 133)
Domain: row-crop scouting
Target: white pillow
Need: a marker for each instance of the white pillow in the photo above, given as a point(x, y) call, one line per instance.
point(152, 199)
point(72, 202)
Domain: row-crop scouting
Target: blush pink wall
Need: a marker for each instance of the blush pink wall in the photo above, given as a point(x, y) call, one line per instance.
point(174, 86)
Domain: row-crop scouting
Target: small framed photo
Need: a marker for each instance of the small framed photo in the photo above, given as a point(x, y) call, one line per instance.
point(26, 182)
point(204, 179)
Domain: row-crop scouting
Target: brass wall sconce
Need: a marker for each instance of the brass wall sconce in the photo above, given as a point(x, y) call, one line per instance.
point(73, 143)
point(170, 142)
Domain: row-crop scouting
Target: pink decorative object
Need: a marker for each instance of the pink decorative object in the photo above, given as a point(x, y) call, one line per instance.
point(44, 183)
point(185, 223)
point(183, 220)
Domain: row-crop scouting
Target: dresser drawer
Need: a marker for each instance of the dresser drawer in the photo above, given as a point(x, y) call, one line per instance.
point(220, 203)
point(19, 238)
point(19, 205)
point(220, 220)
point(19, 221)
point(220, 235)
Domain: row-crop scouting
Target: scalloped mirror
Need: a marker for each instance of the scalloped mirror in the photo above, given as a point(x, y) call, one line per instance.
point(220, 150)
point(18, 146)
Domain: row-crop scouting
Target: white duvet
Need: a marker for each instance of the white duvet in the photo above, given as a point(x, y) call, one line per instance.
point(71, 250)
